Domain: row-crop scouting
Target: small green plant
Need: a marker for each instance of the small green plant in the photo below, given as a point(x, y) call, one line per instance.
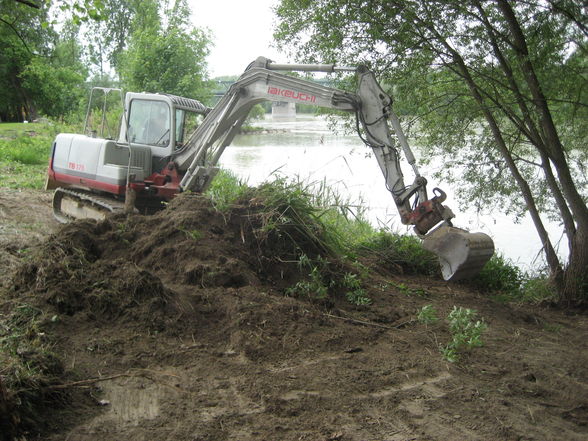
point(356, 294)
point(428, 315)
point(465, 332)
point(552, 328)
point(191, 234)
point(314, 288)
point(408, 291)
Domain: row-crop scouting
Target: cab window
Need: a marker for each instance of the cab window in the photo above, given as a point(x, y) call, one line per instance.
point(149, 123)
point(186, 125)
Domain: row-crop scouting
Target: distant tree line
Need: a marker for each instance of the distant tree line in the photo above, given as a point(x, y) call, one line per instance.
point(47, 64)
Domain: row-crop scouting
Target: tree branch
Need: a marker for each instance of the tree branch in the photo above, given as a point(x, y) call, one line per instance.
point(11, 26)
point(28, 3)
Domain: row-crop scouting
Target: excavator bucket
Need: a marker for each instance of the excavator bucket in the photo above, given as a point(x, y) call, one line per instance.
point(461, 254)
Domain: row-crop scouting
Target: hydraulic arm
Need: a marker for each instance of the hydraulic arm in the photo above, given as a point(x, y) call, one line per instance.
point(461, 254)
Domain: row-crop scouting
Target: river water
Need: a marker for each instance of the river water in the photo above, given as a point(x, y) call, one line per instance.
point(306, 149)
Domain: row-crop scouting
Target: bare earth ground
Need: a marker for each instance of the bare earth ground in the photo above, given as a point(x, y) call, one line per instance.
point(167, 335)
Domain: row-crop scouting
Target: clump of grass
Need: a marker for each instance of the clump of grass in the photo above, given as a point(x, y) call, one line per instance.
point(537, 289)
point(400, 251)
point(225, 189)
point(26, 150)
point(508, 283)
point(292, 217)
point(23, 161)
point(24, 157)
point(192, 234)
point(408, 291)
point(466, 332)
point(315, 287)
point(322, 278)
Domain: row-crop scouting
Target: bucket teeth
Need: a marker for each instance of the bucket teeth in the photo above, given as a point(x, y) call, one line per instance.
point(461, 254)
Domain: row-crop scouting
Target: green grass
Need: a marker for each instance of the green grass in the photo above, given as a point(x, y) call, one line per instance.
point(16, 129)
point(225, 189)
point(24, 161)
point(427, 315)
point(399, 251)
point(24, 156)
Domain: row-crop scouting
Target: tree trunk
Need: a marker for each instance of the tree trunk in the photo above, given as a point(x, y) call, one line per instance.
point(553, 142)
point(575, 289)
point(575, 277)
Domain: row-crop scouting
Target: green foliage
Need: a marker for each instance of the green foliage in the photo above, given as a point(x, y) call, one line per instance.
point(538, 289)
point(499, 275)
point(428, 315)
point(406, 290)
point(168, 59)
point(192, 234)
point(465, 332)
point(26, 150)
point(398, 250)
point(294, 214)
point(355, 292)
point(22, 36)
point(315, 287)
point(24, 153)
point(257, 112)
point(496, 89)
point(56, 90)
point(23, 161)
point(225, 189)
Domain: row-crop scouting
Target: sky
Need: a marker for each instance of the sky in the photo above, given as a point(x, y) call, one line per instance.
point(241, 31)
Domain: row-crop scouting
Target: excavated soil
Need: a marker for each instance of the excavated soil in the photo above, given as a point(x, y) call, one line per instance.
point(176, 327)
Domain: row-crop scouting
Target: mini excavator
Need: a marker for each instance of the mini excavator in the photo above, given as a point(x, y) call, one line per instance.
point(169, 144)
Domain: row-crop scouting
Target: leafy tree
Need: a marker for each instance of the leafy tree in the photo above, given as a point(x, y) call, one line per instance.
point(169, 58)
point(498, 87)
point(40, 71)
point(110, 36)
point(22, 38)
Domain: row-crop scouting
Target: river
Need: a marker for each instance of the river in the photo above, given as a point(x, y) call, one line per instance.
point(306, 149)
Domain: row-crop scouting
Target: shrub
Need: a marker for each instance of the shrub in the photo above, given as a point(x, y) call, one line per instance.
point(355, 293)
point(465, 333)
point(499, 275)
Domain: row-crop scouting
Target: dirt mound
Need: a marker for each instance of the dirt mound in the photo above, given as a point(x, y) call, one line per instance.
point(177, 326)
